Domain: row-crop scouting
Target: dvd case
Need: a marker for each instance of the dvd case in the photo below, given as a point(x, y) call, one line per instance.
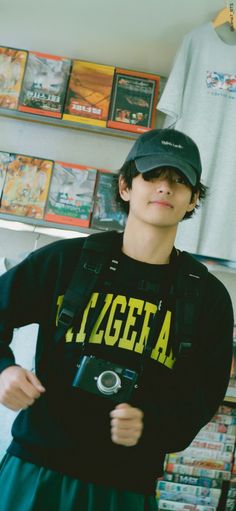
point(26, 186)
point(5, 159)
point(133, 101)
point(206, 482)
point(70, 198)
point(196, 494)
point(107, 214)
point(12, 68)
point(89, 92)
point(44, 85)
point(170, 505)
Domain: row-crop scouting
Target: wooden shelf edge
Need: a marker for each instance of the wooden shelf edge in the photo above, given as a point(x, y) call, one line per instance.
point(41, 227)
point(60, 123)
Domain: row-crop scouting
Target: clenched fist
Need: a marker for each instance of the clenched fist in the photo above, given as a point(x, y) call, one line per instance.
point(19, 388)
point(126, 425)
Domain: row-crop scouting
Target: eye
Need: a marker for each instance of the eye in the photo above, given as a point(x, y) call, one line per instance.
point(179, 179)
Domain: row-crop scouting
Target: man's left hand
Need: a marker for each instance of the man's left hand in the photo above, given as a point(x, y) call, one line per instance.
point(126, 425)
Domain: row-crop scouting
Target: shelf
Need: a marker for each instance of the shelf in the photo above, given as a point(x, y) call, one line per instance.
point(24, 224)
point(60, 123)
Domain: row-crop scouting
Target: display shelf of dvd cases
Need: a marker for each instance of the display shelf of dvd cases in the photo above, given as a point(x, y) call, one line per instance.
point(76, 94)
point(92, 128)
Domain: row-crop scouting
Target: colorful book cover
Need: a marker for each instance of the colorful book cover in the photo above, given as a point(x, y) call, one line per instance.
point(216, 464)
point(193, 470)
point(70, 198)
point(44, 85)
point(107, 214)
point(89, 92)
point(201, 493)
point(205, 482)
point(170, 505)
point(220, 427)
point(26, 186)
point(133, 101)
point(5, 159)
point(12, 68)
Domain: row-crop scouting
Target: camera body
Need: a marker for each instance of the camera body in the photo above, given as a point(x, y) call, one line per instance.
point(105, 378)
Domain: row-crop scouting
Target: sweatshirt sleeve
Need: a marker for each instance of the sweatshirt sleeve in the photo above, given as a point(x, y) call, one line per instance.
point(22, 296)
point(199, 381)
point(18, 299)
point(29, 291)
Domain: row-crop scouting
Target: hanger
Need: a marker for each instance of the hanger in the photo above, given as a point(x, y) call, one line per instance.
point(226, 15)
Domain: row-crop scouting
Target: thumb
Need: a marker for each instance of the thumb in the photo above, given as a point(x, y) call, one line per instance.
point(122, 405)
point(32, 378)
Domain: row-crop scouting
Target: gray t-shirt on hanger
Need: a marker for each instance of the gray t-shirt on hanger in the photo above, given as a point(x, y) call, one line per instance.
point(200, 100)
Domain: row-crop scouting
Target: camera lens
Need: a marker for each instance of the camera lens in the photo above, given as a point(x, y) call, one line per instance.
point(108, 382)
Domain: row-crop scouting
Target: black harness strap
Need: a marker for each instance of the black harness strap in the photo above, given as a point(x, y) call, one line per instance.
point(189, 288)
point(95, 255)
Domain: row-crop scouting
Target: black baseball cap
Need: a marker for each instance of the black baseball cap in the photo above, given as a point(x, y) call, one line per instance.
point(167, 148)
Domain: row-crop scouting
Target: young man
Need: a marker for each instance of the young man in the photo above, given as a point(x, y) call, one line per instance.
point(77, 449)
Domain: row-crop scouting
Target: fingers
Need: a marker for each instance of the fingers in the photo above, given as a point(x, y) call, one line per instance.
point(32, 386)
point(19, 388)
point(126, 425)
point(17, 402)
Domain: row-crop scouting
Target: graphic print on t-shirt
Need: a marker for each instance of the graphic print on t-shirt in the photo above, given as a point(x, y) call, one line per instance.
point(123, 322)
point(218, 81)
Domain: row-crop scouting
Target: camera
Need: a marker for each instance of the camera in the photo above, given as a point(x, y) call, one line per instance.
point(105, 378)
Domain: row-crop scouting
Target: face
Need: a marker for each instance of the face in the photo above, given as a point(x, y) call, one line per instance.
point(160, 197)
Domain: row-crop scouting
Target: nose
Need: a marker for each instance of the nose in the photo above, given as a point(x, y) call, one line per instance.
point(163, 185)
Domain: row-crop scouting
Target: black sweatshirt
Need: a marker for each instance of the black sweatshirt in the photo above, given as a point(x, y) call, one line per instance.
point(68, 429)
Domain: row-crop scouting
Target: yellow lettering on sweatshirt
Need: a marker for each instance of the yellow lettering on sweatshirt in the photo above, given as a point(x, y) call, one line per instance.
point(59, 304)
point(80, 337)
point(96, 335)
point(159, 352)
point(70, 332)
point(150, 308)
point(170, 360)
point(114, 324)
point(128, 339)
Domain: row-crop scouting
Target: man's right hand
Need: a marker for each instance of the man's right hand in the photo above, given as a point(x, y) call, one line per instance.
point(19, 388)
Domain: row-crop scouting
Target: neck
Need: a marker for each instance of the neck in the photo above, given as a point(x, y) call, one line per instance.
point(153, 245)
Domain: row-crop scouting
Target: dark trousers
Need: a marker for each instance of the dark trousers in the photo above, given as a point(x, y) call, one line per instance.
point(27, 487)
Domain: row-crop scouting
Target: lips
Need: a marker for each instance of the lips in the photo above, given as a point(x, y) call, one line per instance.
point(162, 203)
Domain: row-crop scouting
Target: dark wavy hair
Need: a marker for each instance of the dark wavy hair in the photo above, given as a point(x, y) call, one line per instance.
point(129, 171)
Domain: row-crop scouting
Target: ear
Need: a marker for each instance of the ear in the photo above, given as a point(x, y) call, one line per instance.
point(123, 189)
point(193, 201)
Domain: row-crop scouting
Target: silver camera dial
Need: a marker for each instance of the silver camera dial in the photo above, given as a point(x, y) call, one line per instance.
point(108, 382)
